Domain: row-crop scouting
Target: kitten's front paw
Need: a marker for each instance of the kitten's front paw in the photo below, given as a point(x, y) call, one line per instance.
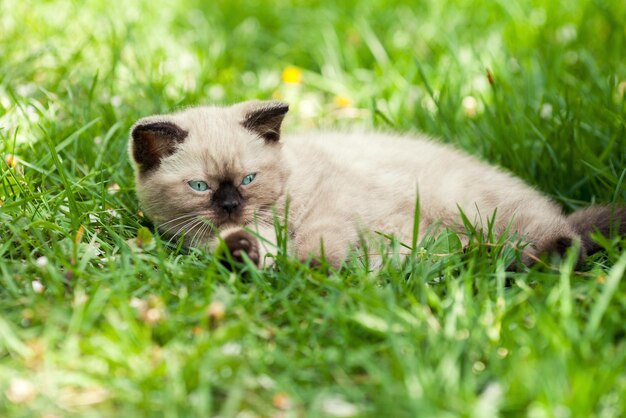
point(240, 242)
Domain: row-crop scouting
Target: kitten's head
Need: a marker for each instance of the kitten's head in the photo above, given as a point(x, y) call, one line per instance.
point(206, 168)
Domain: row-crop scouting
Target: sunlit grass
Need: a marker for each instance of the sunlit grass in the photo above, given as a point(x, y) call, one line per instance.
point(99, 318)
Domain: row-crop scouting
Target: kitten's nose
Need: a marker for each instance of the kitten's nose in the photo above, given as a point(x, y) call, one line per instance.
point(230, 205)
point(227, 198)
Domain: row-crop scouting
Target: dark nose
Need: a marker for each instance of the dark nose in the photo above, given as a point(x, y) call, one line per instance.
point(230, 205)
point(227, 198)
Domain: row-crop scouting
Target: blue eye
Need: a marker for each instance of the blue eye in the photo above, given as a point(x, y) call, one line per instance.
point(248, 179)
point(198, 185)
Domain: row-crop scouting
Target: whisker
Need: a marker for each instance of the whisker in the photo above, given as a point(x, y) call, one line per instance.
point(180, 226)
point(187, 215)
point(196, 225)
point(187, 227)
point(197, 236)
point(177, 226)
point(181, 221)
point(199, 233)
point(208, 229)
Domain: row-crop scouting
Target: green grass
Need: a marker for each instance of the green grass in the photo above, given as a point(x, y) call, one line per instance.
point(93, 324)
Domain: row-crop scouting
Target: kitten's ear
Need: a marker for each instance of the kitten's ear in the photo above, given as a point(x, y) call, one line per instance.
point(152, 140)
point(264, 118)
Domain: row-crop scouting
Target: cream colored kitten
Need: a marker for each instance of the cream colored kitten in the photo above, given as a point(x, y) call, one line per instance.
point(226, 171)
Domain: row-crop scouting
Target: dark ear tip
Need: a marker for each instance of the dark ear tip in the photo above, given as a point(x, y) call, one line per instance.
point(136, 129)
point(161, 128)
point(139, 125)
point(279, 106)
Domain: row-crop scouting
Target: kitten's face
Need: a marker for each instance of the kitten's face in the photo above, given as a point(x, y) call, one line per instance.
point(207, 168)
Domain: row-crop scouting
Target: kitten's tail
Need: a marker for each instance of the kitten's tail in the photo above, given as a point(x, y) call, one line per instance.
point(607, 219)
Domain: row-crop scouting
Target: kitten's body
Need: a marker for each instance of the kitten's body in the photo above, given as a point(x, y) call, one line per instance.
point(338, 185)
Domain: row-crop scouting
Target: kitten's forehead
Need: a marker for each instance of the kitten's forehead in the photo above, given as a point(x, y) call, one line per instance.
point(211, 122)
point(217, 141)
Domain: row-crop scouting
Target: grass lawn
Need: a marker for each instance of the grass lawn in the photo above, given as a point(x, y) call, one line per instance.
point(98, 317)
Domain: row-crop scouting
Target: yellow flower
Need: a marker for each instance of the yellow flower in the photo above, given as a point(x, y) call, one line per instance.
point(11, 161)
point(342, 101)
point(292, 75)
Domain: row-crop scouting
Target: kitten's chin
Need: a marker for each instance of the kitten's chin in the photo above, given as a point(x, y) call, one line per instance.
point(229, 224)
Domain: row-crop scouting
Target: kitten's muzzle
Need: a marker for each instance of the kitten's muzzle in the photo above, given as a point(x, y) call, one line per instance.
point(227, 199)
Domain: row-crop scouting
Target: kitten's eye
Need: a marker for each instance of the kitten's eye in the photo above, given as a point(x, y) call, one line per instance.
point(198, 185)
point(248, 179)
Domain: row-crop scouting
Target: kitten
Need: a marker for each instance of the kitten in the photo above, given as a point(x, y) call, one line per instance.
point(225, 172)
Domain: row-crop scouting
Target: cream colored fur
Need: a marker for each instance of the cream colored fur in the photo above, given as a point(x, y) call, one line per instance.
point(339, 185)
